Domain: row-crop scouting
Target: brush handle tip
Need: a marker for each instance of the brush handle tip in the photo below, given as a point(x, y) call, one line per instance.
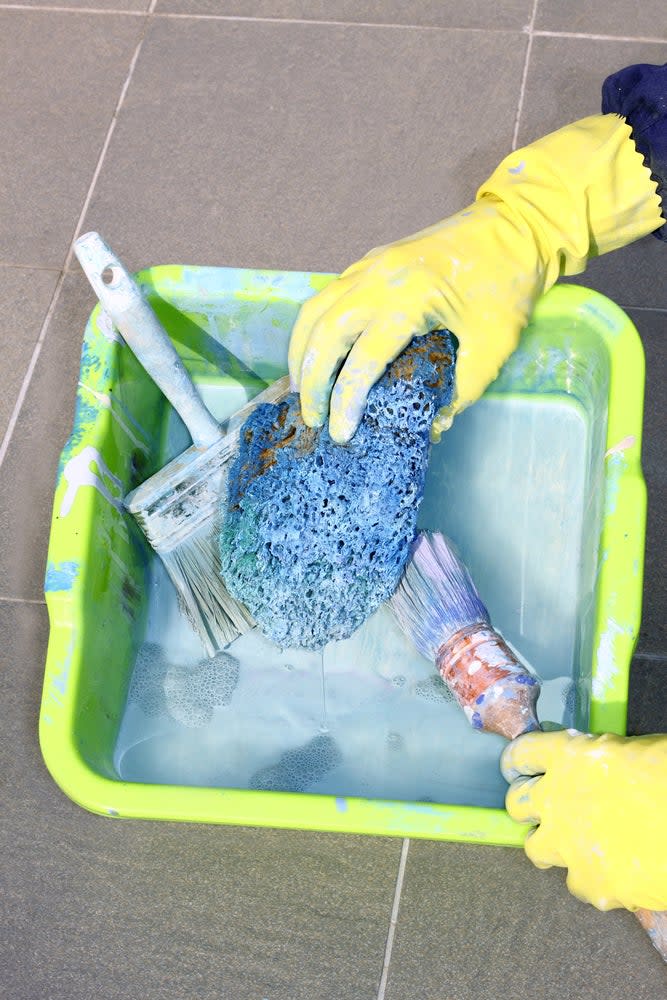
point(123, 300)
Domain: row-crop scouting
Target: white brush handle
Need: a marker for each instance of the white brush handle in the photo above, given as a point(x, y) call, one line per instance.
point(121, 297)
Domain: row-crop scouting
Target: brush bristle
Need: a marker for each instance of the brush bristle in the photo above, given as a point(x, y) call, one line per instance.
point(194, 568)
point(436, 596)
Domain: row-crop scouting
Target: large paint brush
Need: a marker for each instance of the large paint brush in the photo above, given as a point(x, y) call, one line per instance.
point(178, 508)
point(438, 607)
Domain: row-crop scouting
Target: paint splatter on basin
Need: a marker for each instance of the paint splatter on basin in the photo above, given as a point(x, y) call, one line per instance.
point(580, 353)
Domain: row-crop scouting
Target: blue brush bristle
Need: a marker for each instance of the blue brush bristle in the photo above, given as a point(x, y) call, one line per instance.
point(315, 535)
point(436, 596)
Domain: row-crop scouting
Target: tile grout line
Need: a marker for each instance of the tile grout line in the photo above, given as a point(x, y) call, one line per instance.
point(394, 919)
point(182, 16)
point(54, 9)
point(173, 15)
point(178, 16)
point(539, 33)
point(64, 9)
point(659, 309)
point(524, 77)
point(31, 267)
point(27, 379)
point(21, 600)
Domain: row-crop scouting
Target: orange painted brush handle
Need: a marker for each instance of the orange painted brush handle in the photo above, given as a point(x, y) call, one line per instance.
point(497, 693)
point(654, 923)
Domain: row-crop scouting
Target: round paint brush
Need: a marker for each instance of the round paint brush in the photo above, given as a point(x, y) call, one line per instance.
point(438, 607)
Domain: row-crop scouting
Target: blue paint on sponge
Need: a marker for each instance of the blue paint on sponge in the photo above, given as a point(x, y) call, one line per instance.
point(315, 535)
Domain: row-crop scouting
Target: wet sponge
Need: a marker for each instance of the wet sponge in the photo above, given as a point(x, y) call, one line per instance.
point(314, 535)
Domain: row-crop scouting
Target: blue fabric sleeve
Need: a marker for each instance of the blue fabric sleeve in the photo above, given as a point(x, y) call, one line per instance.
point(639, 94)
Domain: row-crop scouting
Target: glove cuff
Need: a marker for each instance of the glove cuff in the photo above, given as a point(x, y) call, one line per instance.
point(638, 94)
point(583, 190)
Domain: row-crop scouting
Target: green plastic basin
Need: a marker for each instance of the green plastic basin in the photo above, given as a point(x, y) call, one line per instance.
point(232, 327)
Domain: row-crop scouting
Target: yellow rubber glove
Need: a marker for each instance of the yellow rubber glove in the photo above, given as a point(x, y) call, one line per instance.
point(601, 806)
point(576, 193)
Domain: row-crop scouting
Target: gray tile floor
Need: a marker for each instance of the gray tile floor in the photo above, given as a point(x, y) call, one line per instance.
point(295, 135)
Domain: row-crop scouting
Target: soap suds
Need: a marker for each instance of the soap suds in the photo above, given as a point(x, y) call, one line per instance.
point(297, 769)
point(188, 694)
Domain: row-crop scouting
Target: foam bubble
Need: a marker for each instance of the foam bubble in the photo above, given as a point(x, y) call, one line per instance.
point(394, 742)
point(569, 702)
point(433, 689)
point(147, 684)
point(297, 769)
point(192, 693)
point(189, 694)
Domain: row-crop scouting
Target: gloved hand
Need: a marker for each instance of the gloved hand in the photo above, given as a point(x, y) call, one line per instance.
point(601, 806)
point(576, 193)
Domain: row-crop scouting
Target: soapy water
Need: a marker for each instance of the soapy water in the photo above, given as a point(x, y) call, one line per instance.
point(186, 693)
point(297, 769)
point(368, 716)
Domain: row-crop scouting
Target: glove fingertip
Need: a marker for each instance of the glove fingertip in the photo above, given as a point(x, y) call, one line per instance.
point(588, 893)
point(535, 855)
point(311, 416)
point(342, 428)
point(542, 865)
point(341, 437)
point(443, 421)
point(529, 754)
point(508, 768)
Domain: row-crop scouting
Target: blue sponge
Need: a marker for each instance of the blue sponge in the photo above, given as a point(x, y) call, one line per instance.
point(315, 535)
